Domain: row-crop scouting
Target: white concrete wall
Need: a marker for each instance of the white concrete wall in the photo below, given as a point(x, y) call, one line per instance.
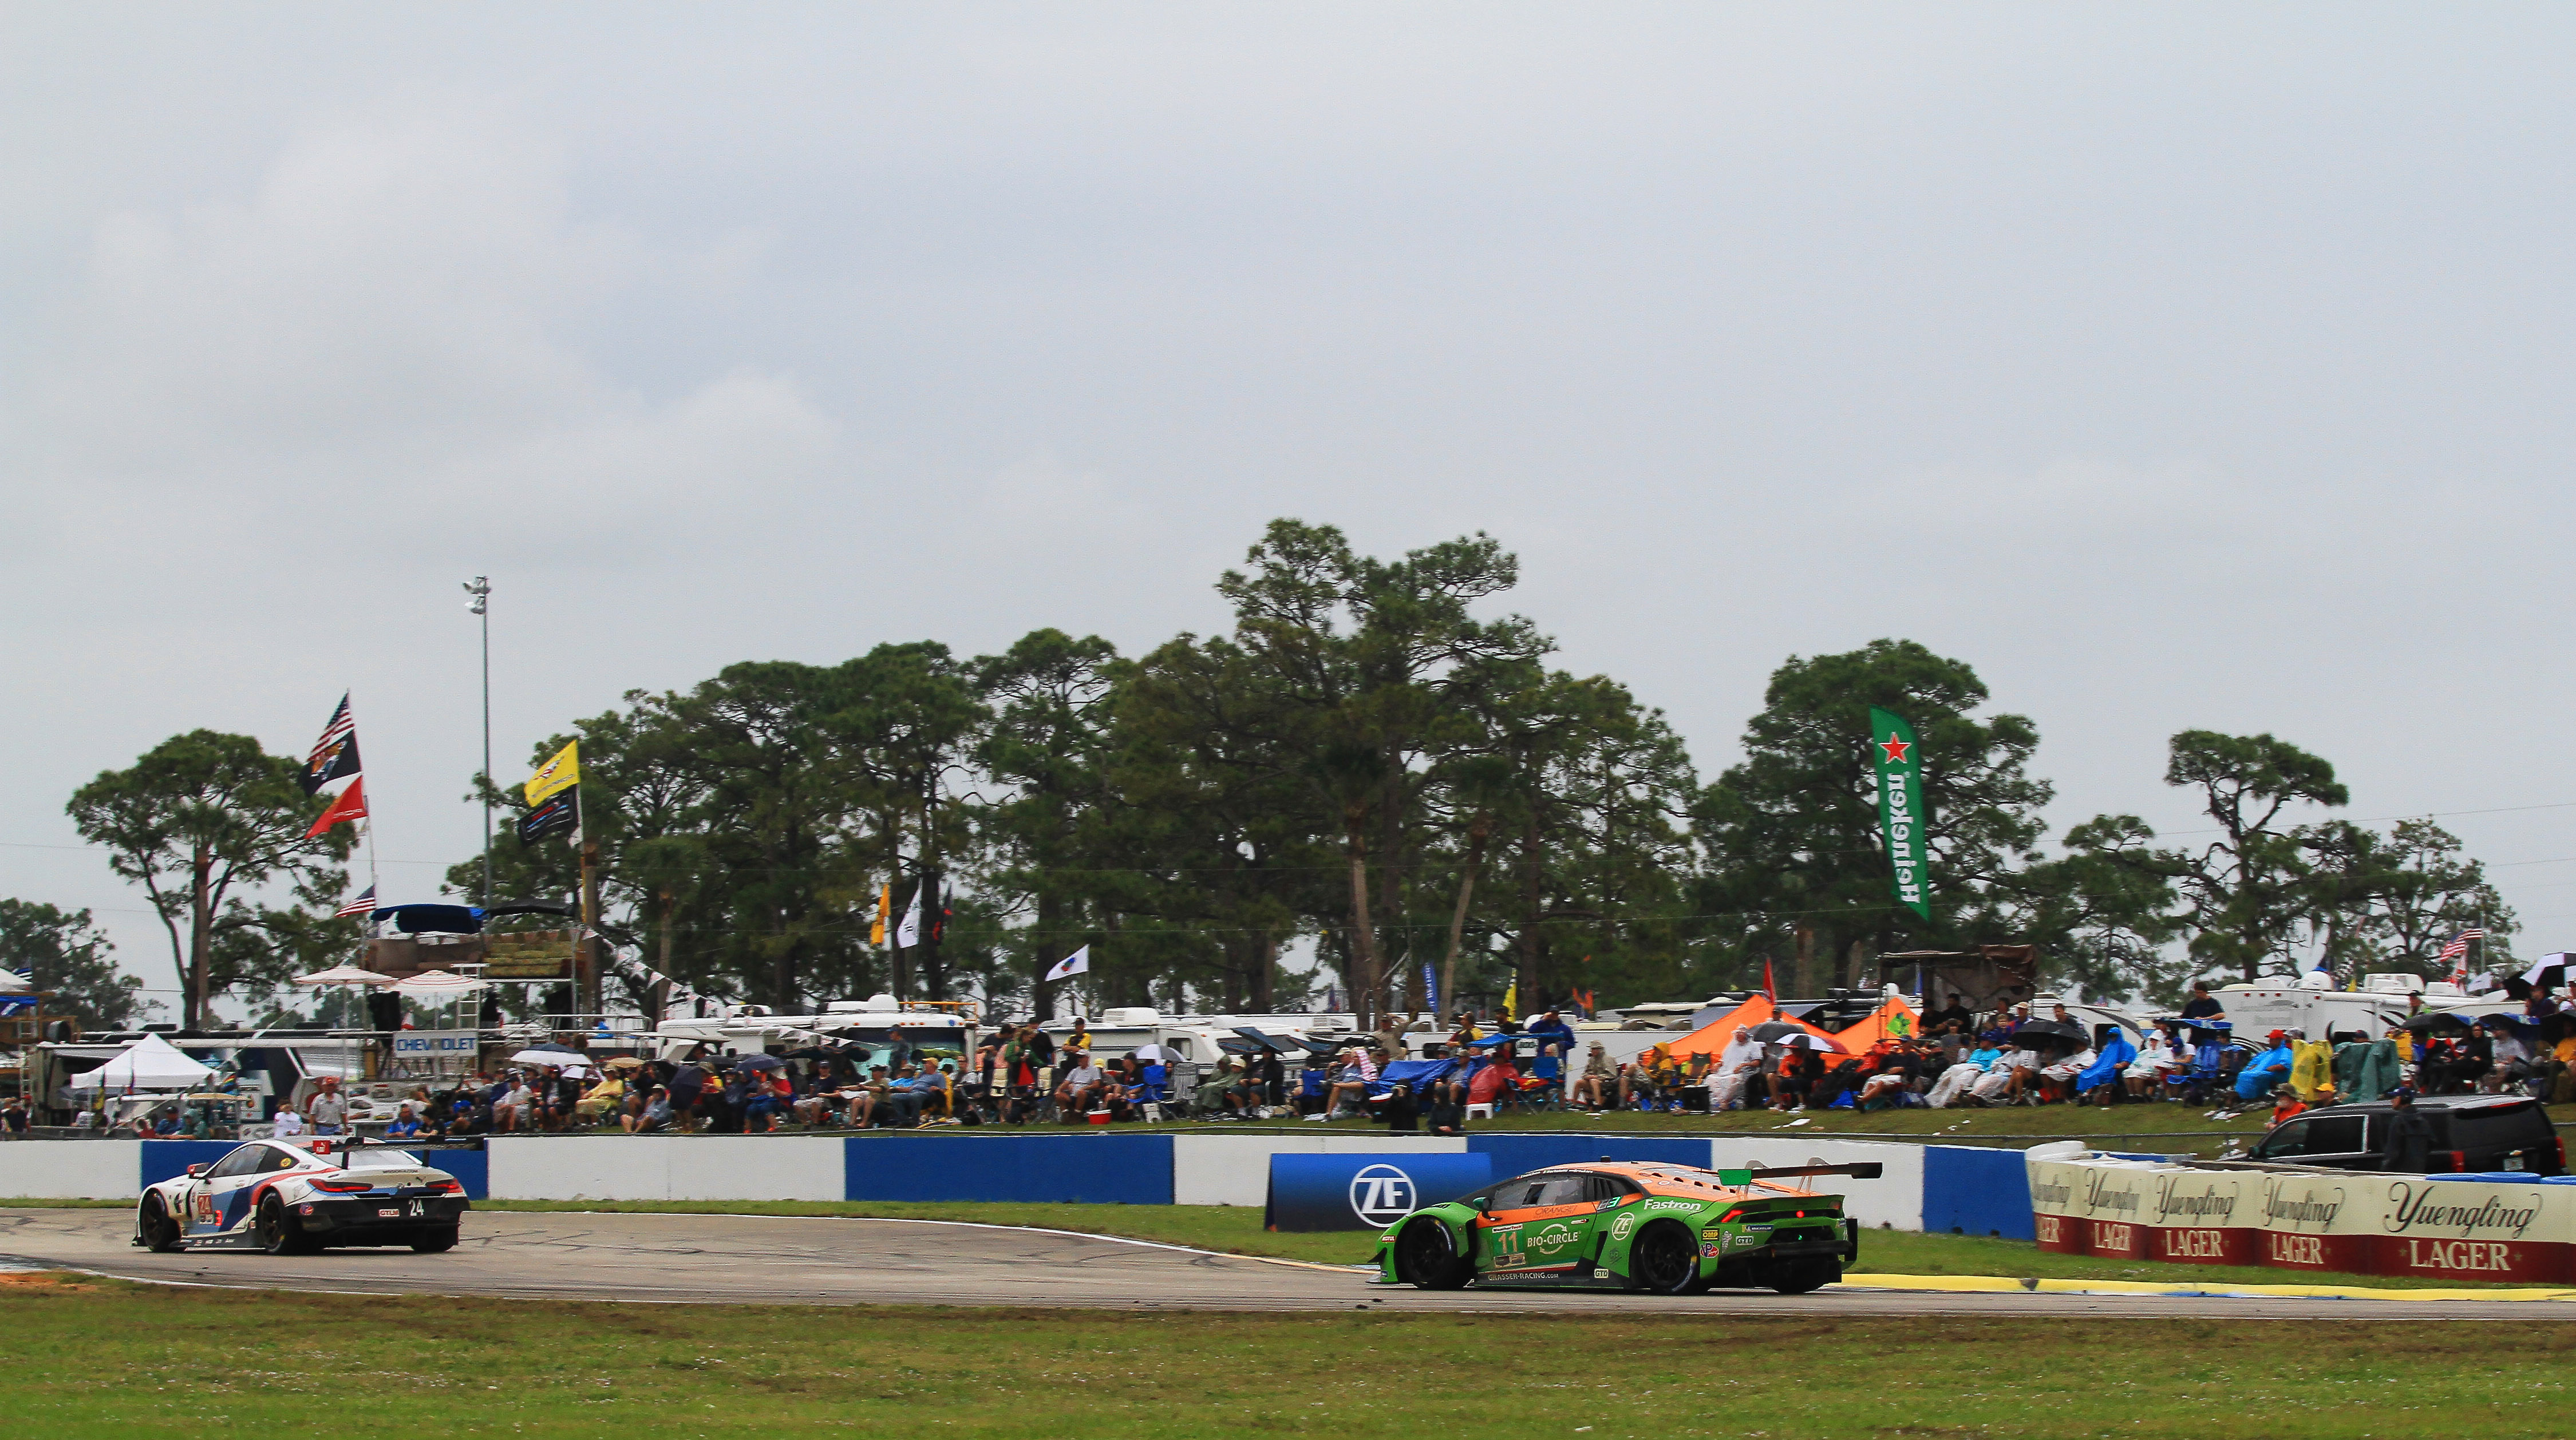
point(1895, 1199)
point(72, 1169)
point(652, 1167)
point(1235, 1169)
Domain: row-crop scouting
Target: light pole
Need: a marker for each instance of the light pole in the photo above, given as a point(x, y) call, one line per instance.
point(480, 606)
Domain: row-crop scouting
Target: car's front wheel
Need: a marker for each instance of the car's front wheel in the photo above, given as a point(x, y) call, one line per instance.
point(1665, 1260)
point(160, 1233)
point(1428, 1259)
point(281, 1233)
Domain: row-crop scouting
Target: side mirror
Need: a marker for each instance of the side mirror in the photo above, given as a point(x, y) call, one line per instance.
point(196, 1170)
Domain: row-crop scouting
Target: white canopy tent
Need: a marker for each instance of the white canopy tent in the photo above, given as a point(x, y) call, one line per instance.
point(438, 985)
point(150, 1063)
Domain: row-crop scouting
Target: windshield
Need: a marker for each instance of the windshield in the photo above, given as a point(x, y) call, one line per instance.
point(383, 1160)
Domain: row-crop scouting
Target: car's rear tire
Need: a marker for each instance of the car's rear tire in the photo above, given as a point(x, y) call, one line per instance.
point(1427, 1258)
point(1664, 1259)
point(160, 1233)
point(1799, 1277)
point(279, 1232)
point(434, 1242)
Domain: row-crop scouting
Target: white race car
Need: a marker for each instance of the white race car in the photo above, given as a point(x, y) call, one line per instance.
point(293, 1197)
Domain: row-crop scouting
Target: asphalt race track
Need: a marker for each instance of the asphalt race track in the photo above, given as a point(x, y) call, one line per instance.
point(775, 1260)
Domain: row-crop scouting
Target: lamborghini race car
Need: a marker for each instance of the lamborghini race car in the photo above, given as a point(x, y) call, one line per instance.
point(1674, 1229)
point(292, 1197)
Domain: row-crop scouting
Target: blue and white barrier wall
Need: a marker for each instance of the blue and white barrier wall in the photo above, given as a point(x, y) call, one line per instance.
point(1925, 1187)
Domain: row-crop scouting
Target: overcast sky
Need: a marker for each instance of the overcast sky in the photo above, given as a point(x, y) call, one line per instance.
point(2177, 367)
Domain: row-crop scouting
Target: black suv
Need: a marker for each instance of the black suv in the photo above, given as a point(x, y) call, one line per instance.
point(2470, 1132)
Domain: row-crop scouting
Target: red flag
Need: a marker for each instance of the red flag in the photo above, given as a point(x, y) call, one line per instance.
point(1768, 988)
point(351, 805)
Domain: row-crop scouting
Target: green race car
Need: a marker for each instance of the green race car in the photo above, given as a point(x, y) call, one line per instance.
point(1673, 1229)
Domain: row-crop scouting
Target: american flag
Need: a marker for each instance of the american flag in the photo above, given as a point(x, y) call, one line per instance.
point(363, 904)
point(335, 755)
point(2457, 952)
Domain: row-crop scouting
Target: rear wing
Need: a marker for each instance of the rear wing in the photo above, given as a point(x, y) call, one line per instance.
point(1860, 1170)
point(326, 1146)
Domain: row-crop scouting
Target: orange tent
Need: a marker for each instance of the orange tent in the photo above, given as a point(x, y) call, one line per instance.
point(1894, 1020)
point(1712, 1037)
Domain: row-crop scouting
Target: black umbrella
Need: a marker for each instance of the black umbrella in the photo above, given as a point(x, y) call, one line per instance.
point(1770, 1031)
point(760, 1062)
point(1810, 1040)
point(2057, 1029)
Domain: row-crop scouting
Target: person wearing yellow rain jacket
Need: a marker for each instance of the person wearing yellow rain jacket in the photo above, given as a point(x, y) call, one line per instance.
point(2312, 1075)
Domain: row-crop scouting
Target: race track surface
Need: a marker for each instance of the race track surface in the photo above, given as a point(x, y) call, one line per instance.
point(774, 1260)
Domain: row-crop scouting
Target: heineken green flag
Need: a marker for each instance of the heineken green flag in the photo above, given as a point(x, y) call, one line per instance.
point(1901, 814)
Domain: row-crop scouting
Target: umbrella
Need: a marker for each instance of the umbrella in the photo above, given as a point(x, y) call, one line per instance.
point(2059, 1029)
point(1144, 1052)
point(1771, 1032)
point(760, 1062)
point(623, 1063)
point(1810, 1040)
point(549, 1055)
point(438, 985)
point(344, 975)
point(13, 983)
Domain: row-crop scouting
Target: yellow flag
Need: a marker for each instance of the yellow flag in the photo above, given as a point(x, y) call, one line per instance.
point(556, 775)
point(1512, 998)
point(885, 907)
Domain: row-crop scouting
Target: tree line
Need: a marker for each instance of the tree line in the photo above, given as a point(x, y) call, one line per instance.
point(1376, 766)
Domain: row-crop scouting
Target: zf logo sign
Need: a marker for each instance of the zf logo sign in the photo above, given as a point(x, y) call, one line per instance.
point(1381, 1194)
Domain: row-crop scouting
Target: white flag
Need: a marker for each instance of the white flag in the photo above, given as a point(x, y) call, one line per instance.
point(907, 931)
point(1077, 963)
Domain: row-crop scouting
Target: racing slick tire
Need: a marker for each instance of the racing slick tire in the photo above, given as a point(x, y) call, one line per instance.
point(159, 1233)
point(434, 1242)
point(1665, 1259)
point(1427, 1258)
point(280, 1233)
point(1799, 1277)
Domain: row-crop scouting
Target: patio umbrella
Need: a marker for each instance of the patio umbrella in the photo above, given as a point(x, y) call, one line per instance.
point(760, 1062)
point(1150, 1052)
point(622, 1063)
point(438, 985)
point(344, 975)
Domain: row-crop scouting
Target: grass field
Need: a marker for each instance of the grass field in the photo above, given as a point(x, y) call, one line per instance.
point(104, 1359)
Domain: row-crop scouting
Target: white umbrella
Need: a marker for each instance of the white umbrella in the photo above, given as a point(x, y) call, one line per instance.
point(549, 1057)
point(344, 975)
point(13, 983)
point(438, 984)
point(1150, 1052)
point(150, 1063)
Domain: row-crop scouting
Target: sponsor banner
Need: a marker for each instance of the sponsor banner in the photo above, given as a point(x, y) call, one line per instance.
point(422, 1045)
point(1368, 1191)
point(2522, 1232)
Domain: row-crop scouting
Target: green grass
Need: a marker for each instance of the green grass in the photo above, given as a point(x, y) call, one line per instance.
point(108, 1360)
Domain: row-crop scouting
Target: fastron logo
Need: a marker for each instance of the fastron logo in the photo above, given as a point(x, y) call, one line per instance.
point(1381, 1195)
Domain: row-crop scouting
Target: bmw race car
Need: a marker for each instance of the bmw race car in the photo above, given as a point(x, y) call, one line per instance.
point(1673, 1229)
point(292, 1197)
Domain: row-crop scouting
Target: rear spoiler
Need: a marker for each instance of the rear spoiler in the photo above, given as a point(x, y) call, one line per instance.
point(327, 1145)
point(1861, 1170)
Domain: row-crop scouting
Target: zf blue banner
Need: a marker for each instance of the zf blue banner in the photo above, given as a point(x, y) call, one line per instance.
point(1366, 1192)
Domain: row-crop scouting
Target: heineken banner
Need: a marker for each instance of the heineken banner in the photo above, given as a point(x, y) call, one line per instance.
point(1901, 814)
